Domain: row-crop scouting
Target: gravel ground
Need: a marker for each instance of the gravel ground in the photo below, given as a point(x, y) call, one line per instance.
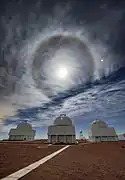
point(102, 161)
point(14, 156)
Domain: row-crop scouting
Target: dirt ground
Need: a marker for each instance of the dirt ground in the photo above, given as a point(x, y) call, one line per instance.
point(16, 155)
point(102, 161)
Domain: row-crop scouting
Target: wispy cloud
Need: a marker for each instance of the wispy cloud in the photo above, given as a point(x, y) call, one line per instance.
point(100, 102)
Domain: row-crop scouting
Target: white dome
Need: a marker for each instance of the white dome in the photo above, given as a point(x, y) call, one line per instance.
point(99, 124)
point(63, 120)
point(24, 126)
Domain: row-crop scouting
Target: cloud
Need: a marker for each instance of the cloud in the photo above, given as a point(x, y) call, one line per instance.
point(20, 88)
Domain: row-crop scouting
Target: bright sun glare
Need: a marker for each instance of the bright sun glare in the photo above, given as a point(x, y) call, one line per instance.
point(62, 73)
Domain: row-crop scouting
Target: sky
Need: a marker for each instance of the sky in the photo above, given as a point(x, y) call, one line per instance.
point(62, 57)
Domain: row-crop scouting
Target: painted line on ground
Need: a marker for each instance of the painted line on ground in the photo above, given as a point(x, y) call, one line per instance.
point(22, 172)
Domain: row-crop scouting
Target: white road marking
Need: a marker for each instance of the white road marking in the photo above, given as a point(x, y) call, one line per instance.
point(22, 172)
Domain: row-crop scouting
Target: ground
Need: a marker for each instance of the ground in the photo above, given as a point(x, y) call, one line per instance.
point(16, 155)
point(98, 161)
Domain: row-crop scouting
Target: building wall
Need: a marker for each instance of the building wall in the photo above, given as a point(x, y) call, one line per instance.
point(61, 138)
point(103, 138)
point(121, 137)
point(61, 130)
point(15, 134)
point(20, 137)
point(69, 139)
point(102, 132)
point(52, 138)
point(18, 133)
point(61, 133)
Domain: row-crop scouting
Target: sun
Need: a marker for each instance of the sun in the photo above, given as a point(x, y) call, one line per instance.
point(62, 73)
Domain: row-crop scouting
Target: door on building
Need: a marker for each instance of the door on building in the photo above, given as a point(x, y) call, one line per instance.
point(61, 139)
point(69, 139)
point(98, 138)
point(53, 138)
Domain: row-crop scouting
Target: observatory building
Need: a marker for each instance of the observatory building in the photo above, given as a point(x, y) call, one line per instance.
point(23, 131)
point(62, 131)
point(99, 131)
point(121, 137)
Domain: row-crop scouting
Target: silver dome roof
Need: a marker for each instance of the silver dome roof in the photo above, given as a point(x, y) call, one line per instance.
point(24, 126)
point(99, 123)
point(63, 120)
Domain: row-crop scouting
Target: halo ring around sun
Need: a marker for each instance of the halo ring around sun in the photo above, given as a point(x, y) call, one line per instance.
point(62, 61)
